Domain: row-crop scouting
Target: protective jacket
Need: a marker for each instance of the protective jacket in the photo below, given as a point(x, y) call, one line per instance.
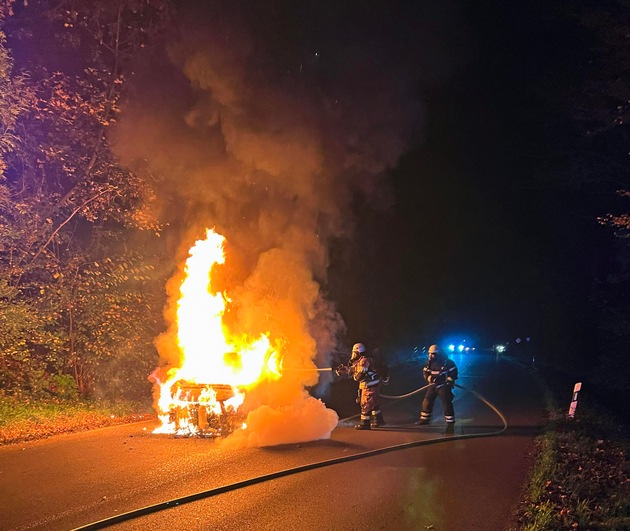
point(364, 372)
point(440, 371)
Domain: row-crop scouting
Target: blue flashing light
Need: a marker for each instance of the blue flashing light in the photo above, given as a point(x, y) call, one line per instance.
point(451, 348)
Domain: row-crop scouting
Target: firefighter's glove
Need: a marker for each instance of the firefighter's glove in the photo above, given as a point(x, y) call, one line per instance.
point(430, 378)
point(450, 382)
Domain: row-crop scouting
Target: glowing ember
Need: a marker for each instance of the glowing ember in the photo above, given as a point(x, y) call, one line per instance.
point(204, 393)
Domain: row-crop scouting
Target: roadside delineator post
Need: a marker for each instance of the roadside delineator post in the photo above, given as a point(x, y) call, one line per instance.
point(574, 400)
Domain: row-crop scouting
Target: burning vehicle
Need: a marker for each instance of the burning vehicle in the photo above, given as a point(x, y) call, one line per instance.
point(207, 410)
point(202, 393)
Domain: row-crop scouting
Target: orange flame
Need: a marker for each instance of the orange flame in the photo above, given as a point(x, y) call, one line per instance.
point(209, 354)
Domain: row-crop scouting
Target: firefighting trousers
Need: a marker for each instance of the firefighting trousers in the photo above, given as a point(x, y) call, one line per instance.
point(446, 396)
point(370, 402)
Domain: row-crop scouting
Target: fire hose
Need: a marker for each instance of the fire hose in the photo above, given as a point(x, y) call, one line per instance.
point(176, 502)
point(399, 397)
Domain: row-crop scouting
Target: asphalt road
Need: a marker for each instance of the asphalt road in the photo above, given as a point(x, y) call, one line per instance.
point(446, 482)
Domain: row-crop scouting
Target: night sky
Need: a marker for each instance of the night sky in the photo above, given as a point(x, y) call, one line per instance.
point(491, 234)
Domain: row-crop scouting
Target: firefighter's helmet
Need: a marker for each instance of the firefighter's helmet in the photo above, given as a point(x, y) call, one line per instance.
point(434, 349)
point(357, 350)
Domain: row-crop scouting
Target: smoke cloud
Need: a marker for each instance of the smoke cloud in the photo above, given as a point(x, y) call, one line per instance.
point(266, 123)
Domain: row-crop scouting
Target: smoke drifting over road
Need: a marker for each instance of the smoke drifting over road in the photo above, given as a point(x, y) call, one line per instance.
point(266, 123)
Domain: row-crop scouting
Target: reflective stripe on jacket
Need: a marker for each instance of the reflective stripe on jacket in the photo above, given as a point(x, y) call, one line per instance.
point(364, 373)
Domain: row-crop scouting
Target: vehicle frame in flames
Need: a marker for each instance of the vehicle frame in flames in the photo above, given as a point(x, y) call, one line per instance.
point(192, 413)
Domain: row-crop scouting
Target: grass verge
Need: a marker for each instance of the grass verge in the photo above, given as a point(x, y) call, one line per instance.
point(581, 477)
point(26, 420)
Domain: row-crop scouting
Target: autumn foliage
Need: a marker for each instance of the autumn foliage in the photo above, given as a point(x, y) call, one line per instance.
point(75, 300)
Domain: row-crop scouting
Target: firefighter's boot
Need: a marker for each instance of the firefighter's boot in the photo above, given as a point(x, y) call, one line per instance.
point(425, 418)
point(377, 420)
point(363, 425)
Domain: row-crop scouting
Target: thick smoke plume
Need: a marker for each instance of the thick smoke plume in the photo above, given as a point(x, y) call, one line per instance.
point(266, 126)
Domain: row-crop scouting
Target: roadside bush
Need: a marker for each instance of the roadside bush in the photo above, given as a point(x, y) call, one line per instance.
point(581, 479)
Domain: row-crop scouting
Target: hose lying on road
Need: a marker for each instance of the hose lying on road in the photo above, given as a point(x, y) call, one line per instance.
point(101, 524)
point(399, 397)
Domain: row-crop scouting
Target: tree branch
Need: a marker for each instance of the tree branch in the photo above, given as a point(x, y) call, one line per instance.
point(74, 212)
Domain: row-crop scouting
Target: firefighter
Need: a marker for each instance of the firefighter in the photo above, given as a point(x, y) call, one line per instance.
point(442, 373)
point(362, 369)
